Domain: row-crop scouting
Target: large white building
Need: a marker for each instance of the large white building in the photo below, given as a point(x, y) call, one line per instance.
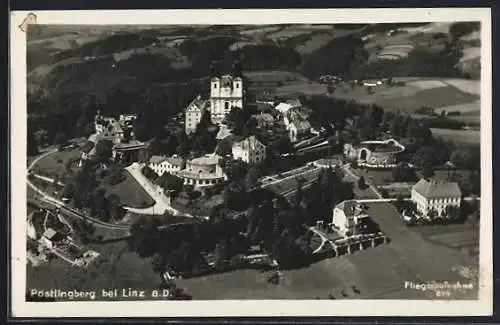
point(203, 171)
point(194, 112)
point(435, 195)
point(164, 164)
point(346, 216)
point(225, 92)
point(249, 150)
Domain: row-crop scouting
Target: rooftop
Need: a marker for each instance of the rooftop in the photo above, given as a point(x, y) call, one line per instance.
point(437, 188)
point(205, 160)
point(351, 208)
point(132, 144)
point(249, 143)
point(50, 233)
point(175, 160)
point(301, 125)
point(157, 159)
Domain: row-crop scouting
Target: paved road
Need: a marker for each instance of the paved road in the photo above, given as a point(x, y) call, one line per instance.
point(162, 202)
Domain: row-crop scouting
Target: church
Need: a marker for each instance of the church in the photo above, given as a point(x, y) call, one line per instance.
point(226, 92)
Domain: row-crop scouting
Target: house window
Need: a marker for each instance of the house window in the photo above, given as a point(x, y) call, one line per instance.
point(215, 86)
point(237, 85)
point(226, 105)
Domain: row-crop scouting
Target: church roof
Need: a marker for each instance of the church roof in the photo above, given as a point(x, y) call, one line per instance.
point(437, 189)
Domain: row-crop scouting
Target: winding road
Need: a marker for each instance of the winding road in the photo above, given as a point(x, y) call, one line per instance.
point(62, 206)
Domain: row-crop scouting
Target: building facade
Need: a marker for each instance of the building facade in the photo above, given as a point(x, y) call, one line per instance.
point(249, 150)
point(347, 215)
point(225, 92)
point(432, 195)
point(164, 164)
point(202, 172)
point(298, 130)
point(194, 112)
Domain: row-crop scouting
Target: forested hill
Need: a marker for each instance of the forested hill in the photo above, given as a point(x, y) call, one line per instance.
point(157, 70)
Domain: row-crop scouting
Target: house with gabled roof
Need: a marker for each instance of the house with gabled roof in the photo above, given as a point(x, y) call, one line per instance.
point(346, 216)
point(435, 195)
point(249, 150)
point(164, 164)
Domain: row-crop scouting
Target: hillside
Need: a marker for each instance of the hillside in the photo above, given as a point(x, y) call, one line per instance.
point(156, 70)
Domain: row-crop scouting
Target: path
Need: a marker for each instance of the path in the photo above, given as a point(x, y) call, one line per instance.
point(162, 202)
point(356, 177)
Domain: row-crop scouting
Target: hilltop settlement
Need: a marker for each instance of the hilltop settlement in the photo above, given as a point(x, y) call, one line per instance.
point(247, 177)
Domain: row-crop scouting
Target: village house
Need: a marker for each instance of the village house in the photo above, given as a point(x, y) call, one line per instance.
point(249, 150)
point(164, 164)
point(287, 105)
point(298, 130)
point(435, 195)
point(264, 120)
point(347, 215)
point(51, 237)
point(194, 112)
point(203, 171)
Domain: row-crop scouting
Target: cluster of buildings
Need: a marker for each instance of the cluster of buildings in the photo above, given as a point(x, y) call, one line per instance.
point(54, 235)
point(226, 92)
point(428, 195)
point(200, 172)
point(295, 119)
point(206, 170)
point(120, 131)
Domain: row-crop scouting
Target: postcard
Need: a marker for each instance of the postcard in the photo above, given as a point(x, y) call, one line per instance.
point(285, 162)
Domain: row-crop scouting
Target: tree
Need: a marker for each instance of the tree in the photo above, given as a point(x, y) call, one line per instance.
point(425, 157)
point(432, 214)
point(330, 88)
point(60, 139)
point(235, 197)
point(362, 183)
point(252, 178)
point(32, 145)
point(452, 213)
point(403, 173)
point(171, 182)
point(103, 151)
point(466, 157)
point(221, 253)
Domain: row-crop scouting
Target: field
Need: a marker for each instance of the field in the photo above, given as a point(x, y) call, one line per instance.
point(54, 163)
point(458, 136)
point(376, 177)
point(280, 82)
point(116, 267)
point(450, 95)
point(130, 192)
point(375, 273)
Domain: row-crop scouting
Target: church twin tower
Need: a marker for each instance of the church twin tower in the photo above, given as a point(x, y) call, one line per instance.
point(226, 91)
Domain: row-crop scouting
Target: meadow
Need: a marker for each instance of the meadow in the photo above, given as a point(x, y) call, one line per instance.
point(375, 273)
point(458, 136)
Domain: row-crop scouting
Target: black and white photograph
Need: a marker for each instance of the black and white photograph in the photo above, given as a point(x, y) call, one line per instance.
point(329, 161)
